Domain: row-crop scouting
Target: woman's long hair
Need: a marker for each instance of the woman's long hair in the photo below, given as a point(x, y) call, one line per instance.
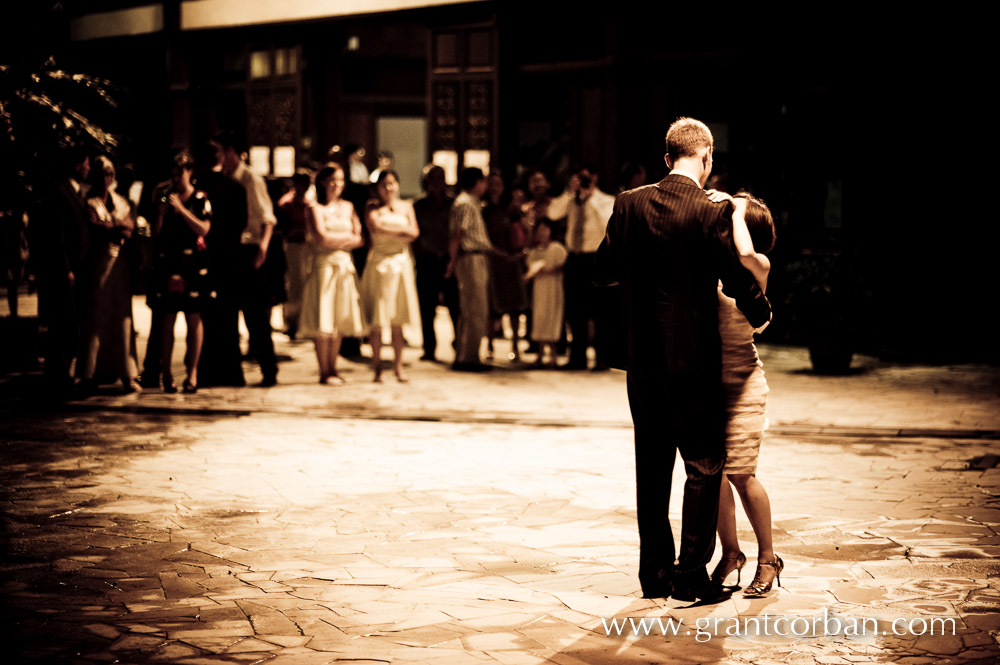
point(324, 174)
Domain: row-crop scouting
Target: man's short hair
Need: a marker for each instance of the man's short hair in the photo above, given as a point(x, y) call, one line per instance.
point(208, 155)
point(427, 171)
point(228, 139)
point(687, 137)
point(469, 177)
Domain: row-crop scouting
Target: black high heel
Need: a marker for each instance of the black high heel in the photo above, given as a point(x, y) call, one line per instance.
point(168, 385)
point(759, 588)
point(190, 388)
point(723, 568)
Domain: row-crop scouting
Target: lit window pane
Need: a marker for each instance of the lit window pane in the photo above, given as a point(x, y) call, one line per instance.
point(284, 161)
point(281, 62)
point(478, 158)
point(260, 160)
point(260, 64)
point(448, 160)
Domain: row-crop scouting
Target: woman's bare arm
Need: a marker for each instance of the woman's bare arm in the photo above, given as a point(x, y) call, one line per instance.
point(758, 264)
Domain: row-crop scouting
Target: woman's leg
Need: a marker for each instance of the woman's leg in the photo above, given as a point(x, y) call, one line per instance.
point(375, 338)
point(515, 336)
point(195, 338)
point(333, 350)
point(727, 520)
point(758, 510)
point(322, 357)
point(550, 349)
point(167, 347)
point(397, 353)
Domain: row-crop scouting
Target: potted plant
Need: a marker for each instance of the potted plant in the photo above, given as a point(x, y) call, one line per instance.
point(825, 299)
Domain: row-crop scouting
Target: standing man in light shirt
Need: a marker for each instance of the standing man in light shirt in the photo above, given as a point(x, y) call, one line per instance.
point(254, 299)
point(587, 210)
point(469, 262)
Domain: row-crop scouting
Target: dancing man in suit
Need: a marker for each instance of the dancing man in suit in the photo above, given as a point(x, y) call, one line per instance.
point(668, 245)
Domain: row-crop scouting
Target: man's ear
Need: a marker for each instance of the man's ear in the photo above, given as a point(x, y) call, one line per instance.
point(670, 164)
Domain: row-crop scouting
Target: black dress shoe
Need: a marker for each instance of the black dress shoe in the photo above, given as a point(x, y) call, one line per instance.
point(149, 380)
point(705, 594)
point(269, 381)
point(658, 590)
point(659, 586)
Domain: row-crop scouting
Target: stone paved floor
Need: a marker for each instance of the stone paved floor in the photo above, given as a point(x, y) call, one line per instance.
point(196, 539)
point(470, 519)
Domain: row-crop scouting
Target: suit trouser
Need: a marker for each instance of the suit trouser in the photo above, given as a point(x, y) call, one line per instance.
point(670, 415)
point(221, 361)
point(584, 303)
point(472, 271)
point(59, 310)
point(431, 283)
point(255, 301)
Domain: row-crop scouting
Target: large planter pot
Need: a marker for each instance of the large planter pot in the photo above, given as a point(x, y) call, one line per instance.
point(830, 357)
point(824, 300)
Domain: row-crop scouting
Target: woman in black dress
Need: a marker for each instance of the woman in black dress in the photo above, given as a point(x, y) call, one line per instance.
point(181, 281)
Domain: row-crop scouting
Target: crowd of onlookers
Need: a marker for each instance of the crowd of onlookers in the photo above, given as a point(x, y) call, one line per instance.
point(348, 258)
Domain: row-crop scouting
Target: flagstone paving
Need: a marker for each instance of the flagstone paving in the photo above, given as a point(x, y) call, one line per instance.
point(206, 539)
point(471, 519)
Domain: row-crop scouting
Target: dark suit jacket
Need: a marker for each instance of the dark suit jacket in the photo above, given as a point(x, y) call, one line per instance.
point(229, 217)
point(667, 246)
point(63, 236)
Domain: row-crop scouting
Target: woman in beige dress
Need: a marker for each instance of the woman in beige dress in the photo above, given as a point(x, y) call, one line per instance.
point(107, 331)
point(545, 268)
point(388, 286)
point(746, 401)
point(330, 306)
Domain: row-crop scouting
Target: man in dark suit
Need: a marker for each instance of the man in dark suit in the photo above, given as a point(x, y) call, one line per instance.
point(60, 240)
point(221, 361)
point(668, 245)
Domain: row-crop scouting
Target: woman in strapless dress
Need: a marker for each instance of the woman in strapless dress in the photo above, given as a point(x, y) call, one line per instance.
point(746, 401)
point(388, 285)
point(331, 309)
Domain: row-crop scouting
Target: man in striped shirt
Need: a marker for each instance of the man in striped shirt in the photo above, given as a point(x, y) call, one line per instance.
point(469, 261)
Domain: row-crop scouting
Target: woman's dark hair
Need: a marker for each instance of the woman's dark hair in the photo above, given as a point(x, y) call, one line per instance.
point(324, 173)
point(760, 223)
point(382, 175)
point(546, 222)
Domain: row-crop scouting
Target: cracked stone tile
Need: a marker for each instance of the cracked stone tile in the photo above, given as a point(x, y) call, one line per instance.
point(266, 620)
point(137, 643)
point(214, 630)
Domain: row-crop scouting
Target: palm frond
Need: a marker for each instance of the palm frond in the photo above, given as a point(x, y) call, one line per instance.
point(98, 134)
point(97, 85)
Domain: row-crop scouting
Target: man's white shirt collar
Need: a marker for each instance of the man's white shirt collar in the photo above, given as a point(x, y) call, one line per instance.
point(686, 175)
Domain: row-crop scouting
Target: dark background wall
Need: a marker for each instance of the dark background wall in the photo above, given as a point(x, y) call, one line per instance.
point(851, 127)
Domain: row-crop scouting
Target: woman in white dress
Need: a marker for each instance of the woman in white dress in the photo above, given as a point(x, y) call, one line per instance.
point(545, 267)
point(746, 401)
point(330, 305)
point(388, 286)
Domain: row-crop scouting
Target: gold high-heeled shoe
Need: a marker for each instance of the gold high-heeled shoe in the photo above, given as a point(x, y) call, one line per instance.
point(728, 564)
point(760, 589)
